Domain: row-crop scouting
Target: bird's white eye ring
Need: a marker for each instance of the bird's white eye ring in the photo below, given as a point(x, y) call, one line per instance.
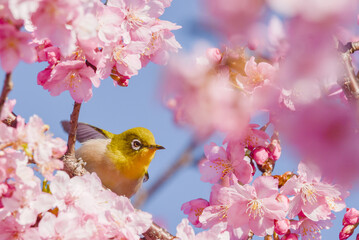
point(136, 144)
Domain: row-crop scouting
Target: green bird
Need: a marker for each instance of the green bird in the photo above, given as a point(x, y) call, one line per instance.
point(120, 160)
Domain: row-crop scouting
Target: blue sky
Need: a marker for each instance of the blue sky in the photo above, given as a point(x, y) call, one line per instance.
point(117, 109)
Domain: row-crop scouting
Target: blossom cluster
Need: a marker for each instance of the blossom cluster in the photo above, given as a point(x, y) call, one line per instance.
point(85, 41)
point(291, 205)
point(288, 69)
point(221, 92)
point(64, 208)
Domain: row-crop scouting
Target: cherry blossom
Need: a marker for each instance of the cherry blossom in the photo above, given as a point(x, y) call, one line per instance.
point(185, 232)
point(225, 165)
point(194, 209)
point(330, 128)
point(74, 76)
point(309, 229)
point(255, 207)
point(14, 46)
point(256, 75)
point(310, 195)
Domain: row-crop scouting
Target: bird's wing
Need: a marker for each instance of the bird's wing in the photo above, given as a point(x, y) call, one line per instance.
point(86, 132)
point(146, 177)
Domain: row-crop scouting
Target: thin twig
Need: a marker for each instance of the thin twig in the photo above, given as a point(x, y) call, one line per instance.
point(185, 158)
point(8, 85)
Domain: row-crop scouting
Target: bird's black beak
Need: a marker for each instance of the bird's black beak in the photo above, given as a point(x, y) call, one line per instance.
point(157, 147)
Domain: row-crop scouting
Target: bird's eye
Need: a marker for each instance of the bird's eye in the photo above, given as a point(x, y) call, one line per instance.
point(136, 144)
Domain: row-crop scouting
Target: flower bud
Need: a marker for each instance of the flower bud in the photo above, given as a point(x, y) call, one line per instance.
point(214, 55)
point(290, 236)
point(281, 226)
point(274, 149)
point(346, 232)
point(260, 155)
point(351, 217)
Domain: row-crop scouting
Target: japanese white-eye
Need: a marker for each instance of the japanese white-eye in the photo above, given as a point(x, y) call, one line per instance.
point(120, 160)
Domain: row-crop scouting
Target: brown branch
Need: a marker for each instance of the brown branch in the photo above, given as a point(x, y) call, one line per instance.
point(354, 47)
point(8, 85)
point(185, 158)
point(350, 83)
point(250, 235)
point(156, 232)
point(73, 166)
point(73, 128)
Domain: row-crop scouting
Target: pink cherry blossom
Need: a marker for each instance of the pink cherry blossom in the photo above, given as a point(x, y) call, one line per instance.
point(253, 137)
point(48, 53)
point(194, 209)
point(7, 108)
point(44, 147)
point(125, 58)
point(109, 23)
point(10, 229)
point(255, 207)
point(309, 229)
point(185, 232)
point(74, 76)
point(162, 43)
point(311, 196)
point(316, 11)
point(14, 46)
point(26, 200)
point(233, 17)
point(225, 165)
point(58, 13)
point(217, 211)
point(23, 9)
point(139, 15)
point(330, 130)
point(256, 75)
point(85, 201)
point(204, 97)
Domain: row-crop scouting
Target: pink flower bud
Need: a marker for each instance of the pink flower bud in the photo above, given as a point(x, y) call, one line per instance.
point(281, 226)
point(214, 55)
point(260, 155)
point(253, 44)
point(290, 236)
point(346, 232)
point(274, 149)
point(351, 217)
